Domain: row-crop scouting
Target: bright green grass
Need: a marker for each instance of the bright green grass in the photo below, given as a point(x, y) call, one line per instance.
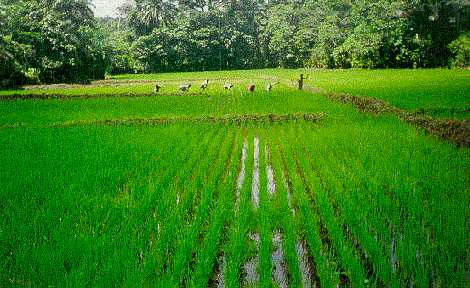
point(96, 205)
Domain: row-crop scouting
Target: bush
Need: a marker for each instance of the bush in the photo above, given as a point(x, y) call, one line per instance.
point(460, 49)
point(319, 58)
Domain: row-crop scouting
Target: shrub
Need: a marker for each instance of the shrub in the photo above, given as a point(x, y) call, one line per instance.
point(460, 49)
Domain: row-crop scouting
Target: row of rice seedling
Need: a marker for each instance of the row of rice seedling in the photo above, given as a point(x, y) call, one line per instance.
point(300, 273)
point(358, 217)
point(209, 262)
point(309, 220)
point(302, 214)
point(395, 244)
point(351, 265)
point(81, 197)
point(264, 227)
point(179, 200)
point(209, 195)
point(146, 224)
point(237, 247)
point(351, 200)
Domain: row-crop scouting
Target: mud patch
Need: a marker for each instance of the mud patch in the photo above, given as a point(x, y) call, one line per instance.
point(255, 183)
point(363, 104)
point(457, 131)
point(271, 185)
point(277, 259)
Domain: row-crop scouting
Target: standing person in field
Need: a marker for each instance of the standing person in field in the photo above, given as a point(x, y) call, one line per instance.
point(300, 82)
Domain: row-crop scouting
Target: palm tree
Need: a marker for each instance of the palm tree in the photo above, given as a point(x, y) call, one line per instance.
point(154, 13)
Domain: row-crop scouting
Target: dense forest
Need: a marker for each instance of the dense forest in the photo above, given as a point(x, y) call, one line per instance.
point(48, 41)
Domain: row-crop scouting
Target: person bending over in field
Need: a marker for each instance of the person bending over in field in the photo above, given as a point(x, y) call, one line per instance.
point(270, 86)
point(204, 84)
point(156, 88)
point(185, 87)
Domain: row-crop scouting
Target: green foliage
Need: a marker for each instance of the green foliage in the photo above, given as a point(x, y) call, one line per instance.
point(60, 41)
point(11, 71)
point(460, 49)
point(56, 39)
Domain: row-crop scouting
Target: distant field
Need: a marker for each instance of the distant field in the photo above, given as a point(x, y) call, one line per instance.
point(95, 193)
point(434, 92)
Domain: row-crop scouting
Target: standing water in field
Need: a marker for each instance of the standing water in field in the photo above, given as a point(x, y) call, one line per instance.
point(304, 264)
point(255, 184)
point(269, 173)
point(219, 279)
point(250, 269)
point(393, 256)
point(289, 196)
point(277, 259)
point(241, 176)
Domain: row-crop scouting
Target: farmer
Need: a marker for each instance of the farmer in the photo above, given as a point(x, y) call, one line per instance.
point(300, 82)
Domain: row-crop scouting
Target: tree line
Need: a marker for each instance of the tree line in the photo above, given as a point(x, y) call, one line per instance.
point(46, 41)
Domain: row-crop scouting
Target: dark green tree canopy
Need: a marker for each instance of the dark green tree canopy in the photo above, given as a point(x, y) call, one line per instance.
point(61, 41)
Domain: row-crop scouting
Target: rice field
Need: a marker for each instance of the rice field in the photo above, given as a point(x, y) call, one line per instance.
point(223, 188)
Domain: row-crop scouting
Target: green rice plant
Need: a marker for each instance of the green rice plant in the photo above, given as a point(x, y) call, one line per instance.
point(289, 228)
point(207, 252)
point(95, 193)
point(343, 248)
point(191, 232)
point(92, 178)
point(193, 180)
point(308, 220)
point(236, 247)
point(264, 215)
